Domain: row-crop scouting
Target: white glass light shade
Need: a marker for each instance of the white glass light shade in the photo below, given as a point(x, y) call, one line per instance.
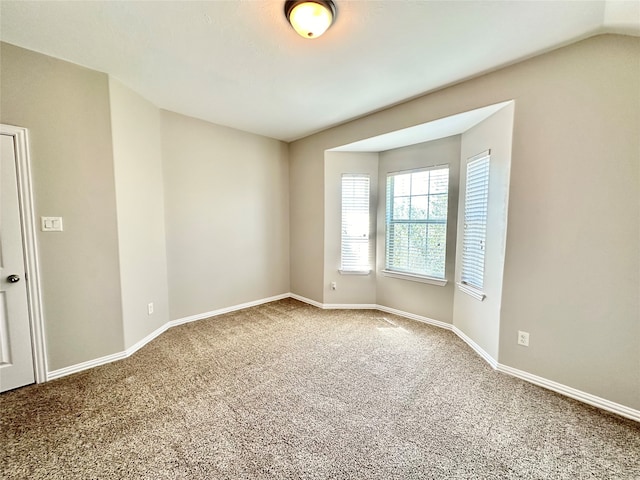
point(310, 19)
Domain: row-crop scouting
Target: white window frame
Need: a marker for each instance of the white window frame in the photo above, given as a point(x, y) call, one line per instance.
point(407, 274)
point(356, 206)
point(474, 235)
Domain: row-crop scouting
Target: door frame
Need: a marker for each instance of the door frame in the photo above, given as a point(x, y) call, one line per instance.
point(28, 227)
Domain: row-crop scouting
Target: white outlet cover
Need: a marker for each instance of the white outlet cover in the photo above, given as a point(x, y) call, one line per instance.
point(51, 224)
point(523, 338)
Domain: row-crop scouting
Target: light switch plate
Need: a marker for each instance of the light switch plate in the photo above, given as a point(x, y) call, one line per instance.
point(51, 224)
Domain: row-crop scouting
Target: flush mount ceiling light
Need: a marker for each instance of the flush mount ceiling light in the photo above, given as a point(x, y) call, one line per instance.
point(310, 18)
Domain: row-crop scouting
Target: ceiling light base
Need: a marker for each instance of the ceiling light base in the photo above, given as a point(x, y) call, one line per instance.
point(310, 18)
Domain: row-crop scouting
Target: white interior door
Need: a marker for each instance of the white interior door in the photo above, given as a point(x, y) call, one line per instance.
point(16, 354)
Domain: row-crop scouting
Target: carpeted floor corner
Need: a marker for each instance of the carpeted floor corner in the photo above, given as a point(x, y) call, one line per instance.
point(288, 391)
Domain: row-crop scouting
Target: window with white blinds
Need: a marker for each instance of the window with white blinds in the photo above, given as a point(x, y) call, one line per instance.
point(355, 224)
point(416, 222)
point(475, 221)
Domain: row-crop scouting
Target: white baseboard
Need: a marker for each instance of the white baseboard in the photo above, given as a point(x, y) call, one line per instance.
point(585, 397)
point(221, 311)
point(138, 345)
point(371, 306)
point(413, 316)
point(78, 367)
point(306, 300)
point(476, 348)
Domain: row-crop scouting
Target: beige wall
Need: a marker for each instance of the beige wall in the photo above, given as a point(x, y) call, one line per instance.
point(137, 158)
point(66, 109)
point(572, 268)
point(354, 289)
point(572, 262)
point(227, 215)
point(306, 216)
point(431, 301)
point(480, 320)
point(98, 154)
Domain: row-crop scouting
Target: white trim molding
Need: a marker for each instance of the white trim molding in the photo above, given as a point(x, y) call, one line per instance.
point(141, 343)
point(355, 272)
point(475, 347)
point(471, 291)
point(441, 282)
point(413, 316)
point(372, 306)
point(27, 216)
point(579, 395)
point(221, 311)
point(306, 300)
point(588, 398)
point(63, 372)
point(567, 391)
point(79, 367)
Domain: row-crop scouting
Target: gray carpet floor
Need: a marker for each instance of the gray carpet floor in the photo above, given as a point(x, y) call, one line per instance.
point(288, 391)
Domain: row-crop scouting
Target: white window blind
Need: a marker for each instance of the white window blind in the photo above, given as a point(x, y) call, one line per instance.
point(355, 223)
point(416, 222)
point(475, 221)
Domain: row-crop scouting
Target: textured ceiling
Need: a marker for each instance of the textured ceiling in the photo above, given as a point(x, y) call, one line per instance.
point(238, 63)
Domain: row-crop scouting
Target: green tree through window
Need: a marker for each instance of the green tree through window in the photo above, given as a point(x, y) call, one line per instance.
point(416, 222)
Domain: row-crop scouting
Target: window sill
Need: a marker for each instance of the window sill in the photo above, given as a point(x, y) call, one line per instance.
point(354, 272)
point(471, 291)
point(441, 282)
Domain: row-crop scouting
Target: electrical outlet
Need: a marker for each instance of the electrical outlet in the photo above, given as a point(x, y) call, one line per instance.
point(51, 224)
point(523, 338)
point(333, 286)
point(150, 308)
